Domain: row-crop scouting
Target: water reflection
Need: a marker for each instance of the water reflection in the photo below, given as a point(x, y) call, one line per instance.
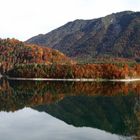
point(113, 107)
point(28, 124)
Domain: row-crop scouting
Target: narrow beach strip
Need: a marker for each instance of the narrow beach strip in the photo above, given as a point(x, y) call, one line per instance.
point(74, 80)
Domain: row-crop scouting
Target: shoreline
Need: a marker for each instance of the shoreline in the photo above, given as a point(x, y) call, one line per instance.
point(75, 80)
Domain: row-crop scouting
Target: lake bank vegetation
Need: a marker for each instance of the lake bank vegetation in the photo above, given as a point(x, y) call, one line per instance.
point(18, 59)
point(95, 71)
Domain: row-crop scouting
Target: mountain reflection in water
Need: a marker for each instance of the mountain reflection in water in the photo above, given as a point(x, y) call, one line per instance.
point(110, 106)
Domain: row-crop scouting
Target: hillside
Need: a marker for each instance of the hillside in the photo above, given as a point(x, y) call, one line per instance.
point(13, 52)
point(113, 36)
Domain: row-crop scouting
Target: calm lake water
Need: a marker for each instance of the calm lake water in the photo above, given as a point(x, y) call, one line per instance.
point(69, 110)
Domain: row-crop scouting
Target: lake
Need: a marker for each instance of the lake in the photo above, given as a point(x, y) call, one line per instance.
point(33, 110)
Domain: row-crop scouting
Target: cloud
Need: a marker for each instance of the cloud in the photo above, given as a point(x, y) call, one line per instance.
point(23, 19)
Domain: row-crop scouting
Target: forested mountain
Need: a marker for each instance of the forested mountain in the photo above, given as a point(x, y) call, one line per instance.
point(116, 35)
point(13, 52)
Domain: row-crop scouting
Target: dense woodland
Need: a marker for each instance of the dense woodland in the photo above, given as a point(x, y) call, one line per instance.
point(13, 52)
point(98, 71)
point(18, 59)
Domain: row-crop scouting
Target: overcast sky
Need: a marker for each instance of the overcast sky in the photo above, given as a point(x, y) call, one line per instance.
point(23, 19)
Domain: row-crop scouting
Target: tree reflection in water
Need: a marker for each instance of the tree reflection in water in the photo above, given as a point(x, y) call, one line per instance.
point(110, 106)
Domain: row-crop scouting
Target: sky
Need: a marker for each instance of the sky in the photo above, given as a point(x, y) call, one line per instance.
point(23, 19)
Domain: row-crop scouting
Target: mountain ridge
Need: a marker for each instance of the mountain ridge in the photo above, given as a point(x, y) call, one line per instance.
point(109, 36)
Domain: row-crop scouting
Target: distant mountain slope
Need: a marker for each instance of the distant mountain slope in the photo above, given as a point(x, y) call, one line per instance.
point(14, 52)
point(116, 35)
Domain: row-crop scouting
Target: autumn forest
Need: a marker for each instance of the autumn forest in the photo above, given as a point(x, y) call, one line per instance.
point(19, 59)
